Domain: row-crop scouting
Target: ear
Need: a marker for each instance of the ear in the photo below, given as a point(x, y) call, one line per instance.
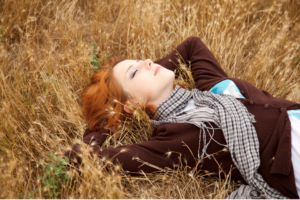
point(126, 108)
point(130, 106)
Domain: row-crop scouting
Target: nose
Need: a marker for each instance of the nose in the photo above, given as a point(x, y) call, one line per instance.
point(148, 63)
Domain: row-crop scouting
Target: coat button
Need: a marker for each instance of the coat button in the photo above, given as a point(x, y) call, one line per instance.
point(242, 92)
point(266, 105)
point(251, 103)
point(281, 109)
point(286, 118)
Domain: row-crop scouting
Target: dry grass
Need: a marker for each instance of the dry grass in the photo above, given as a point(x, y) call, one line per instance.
point(45, 58)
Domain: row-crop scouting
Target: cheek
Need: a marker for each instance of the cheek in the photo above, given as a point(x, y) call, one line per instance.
point(144, 85)
point(141, 87)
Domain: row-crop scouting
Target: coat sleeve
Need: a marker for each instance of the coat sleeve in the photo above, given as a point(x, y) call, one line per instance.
point(138, 157)
point(205, 68)
point(149, 156)
point(96, 138)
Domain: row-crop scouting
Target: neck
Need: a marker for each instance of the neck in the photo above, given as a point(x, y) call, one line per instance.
point(174, 104)
point(163, 97)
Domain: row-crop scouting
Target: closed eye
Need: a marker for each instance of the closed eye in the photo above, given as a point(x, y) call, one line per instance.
point(133, 74)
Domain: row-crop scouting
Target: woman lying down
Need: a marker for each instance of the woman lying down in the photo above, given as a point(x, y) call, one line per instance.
point(261, 132)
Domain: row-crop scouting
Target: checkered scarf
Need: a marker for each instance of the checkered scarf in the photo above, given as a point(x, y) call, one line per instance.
point(232, 117)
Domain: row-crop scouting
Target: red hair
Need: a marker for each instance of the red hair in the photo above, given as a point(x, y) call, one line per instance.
point(104, 99)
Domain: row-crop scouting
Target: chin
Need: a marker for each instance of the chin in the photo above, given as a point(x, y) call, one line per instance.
point(172, 76)
point(170, 72)
point(169, 78)
point(166, 78)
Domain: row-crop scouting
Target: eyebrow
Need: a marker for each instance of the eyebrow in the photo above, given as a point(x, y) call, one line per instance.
point(131, 66)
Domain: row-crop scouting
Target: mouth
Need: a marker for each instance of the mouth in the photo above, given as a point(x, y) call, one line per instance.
point(156, 70)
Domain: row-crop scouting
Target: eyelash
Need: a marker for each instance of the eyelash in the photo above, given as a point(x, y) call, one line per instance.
point(134, 73)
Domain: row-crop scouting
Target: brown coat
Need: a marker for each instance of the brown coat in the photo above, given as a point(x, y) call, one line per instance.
point(273, 129)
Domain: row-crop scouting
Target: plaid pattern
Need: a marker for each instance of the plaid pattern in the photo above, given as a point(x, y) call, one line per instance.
point(235, 121)
point(245, 192)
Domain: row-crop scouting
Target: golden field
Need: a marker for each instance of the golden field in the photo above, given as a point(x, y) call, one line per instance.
point(49, 49)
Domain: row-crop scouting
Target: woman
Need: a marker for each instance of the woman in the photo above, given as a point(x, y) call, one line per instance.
point(269, 120)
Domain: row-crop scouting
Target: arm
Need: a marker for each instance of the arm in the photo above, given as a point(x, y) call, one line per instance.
point(138, 157)
point(93, 138)
point(147, 156)
point(205, 68)
point(170, 145)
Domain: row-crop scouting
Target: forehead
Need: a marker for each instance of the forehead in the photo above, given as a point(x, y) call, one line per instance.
point(119, 71)
point(123, 65)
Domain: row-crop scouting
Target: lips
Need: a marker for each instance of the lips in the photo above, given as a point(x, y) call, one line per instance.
point(156, 70)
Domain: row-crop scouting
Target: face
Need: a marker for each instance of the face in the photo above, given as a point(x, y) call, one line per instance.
point(141, 78)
